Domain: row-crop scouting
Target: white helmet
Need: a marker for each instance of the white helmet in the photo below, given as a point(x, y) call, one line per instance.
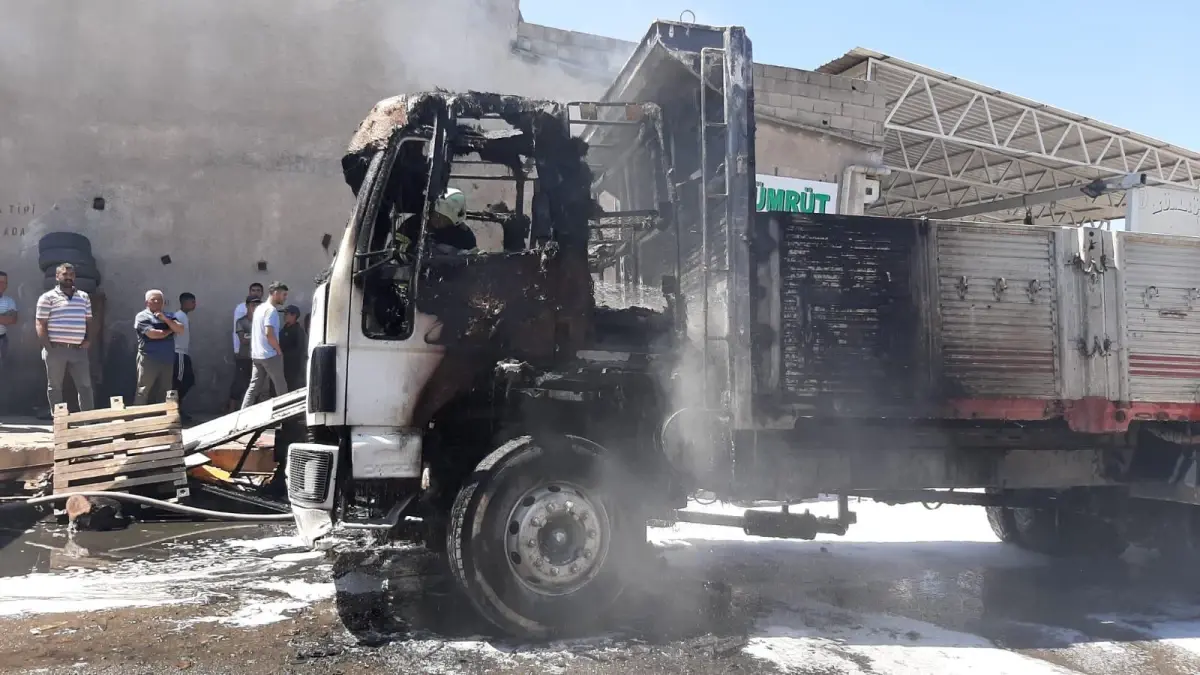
point(452, 205)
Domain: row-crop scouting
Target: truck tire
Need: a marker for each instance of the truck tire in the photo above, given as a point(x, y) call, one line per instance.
point(1062, 533)
point(1002, 522)
point(538, 534)
point(73, 240)
point(52, 258)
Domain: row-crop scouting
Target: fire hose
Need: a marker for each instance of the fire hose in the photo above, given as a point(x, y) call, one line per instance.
point(167, 506)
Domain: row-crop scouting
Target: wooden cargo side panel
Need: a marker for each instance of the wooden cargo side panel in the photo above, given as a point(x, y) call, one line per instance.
point(1161, 301)
point(996, 290)
point(851, 326)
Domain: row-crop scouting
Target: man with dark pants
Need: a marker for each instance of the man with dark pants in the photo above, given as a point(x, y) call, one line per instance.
point(63, 324)
point(8, 317)
point(265, 352)
point(184, 378)
point(156, 331)
point(294, 344)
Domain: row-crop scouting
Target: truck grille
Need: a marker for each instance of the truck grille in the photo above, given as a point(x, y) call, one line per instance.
point(309, 474)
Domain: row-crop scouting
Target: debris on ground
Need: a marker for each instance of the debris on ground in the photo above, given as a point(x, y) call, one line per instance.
point(98, 514)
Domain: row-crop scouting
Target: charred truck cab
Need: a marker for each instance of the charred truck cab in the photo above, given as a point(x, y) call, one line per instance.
point(486, 402)
point(485, 394)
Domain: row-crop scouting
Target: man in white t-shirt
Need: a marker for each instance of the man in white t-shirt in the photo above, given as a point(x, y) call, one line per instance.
point(8, 317)
point(184, 378)
point(265, 352)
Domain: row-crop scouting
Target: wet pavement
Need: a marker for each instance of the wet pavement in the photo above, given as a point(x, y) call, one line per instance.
point(909, 591)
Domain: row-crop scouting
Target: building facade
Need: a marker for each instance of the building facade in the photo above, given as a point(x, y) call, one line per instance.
point(197, 144)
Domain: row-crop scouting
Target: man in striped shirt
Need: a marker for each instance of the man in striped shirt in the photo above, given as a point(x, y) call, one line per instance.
point(63, 323)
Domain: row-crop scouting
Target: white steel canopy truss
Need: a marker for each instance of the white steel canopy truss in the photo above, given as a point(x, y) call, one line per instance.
point(951, 143)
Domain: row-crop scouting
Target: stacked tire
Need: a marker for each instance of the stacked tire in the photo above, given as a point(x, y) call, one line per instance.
point(57, 248)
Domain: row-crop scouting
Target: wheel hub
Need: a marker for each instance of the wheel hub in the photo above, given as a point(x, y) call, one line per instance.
point(556, 539)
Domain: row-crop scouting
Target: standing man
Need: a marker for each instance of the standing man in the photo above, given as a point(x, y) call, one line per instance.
point(243, 310)
point(8, 317)
point(184, 378)
point(256, 291)
point(156, 331)
point(243, 367)
point(63, 323)
point(294, 341)
point(265, 352)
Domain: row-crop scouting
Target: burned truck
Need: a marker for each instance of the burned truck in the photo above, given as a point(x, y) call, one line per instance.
point(530, 431)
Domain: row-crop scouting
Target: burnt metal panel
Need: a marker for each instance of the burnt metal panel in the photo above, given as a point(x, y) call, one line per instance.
point(1161, 298)
point(996, 292)
point(850, 324)
point(739, 219)
point(664, 39)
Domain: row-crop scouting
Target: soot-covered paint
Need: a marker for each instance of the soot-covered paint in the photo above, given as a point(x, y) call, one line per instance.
point(850, 326)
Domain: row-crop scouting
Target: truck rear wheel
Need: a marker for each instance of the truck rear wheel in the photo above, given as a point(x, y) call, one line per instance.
point(1000, 518)
point(538, 533)
point(1058, 532)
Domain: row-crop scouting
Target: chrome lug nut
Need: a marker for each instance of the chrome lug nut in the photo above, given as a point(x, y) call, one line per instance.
point(530, 543)
point(538, 521)
point(553, 571)
point(591, 534)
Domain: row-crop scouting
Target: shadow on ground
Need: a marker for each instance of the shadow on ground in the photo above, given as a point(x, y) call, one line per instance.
point(719, 594)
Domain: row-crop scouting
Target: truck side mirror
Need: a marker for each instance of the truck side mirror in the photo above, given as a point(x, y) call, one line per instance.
point(669, 285)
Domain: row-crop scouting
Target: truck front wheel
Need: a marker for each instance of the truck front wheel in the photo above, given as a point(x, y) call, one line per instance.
point(539, 533)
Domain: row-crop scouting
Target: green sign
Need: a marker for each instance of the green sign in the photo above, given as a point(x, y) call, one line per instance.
point(792, 195)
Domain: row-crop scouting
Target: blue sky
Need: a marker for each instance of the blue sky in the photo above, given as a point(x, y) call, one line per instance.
point(1129, 64)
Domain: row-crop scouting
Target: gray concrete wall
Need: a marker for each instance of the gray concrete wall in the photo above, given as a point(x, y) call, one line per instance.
point(794, 152)
point(213, 130)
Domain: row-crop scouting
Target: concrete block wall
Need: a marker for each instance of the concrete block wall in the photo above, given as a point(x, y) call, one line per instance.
point(847, 107)
point(598, 56)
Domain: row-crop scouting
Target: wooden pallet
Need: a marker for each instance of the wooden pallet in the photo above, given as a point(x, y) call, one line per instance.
point(120, 448)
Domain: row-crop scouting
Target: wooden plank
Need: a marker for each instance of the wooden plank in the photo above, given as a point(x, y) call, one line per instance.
point(109, 414)
point(117, 429)
point(124, 445)
point(157, 453)
point(116, 464)
point(126, 438)
point(83, 472)
point(120, 485)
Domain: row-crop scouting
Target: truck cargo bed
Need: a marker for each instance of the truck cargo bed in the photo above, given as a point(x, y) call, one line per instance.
point(882, 317)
